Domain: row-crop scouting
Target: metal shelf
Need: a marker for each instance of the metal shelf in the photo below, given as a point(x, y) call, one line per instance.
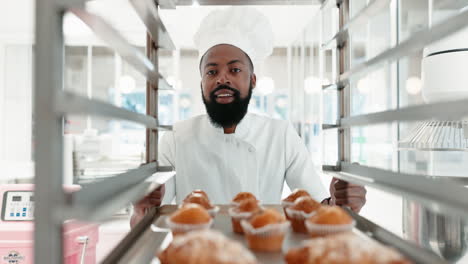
point(450, 197)
point(91, 204)
point(69, 103)
point(410, 250)
point(451, 110)
point(416, 42)
point(117, 42)
point(148, 13)
point(372, 9)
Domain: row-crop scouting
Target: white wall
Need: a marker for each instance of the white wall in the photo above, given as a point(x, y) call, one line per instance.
point(16, 38)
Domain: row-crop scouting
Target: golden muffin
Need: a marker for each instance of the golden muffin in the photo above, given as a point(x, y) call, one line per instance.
point(289, 201)
point(296, 194)
point(242, 196)
point(189, 217)
point(329, 220)
point(266, 230)
point(244, 211)
point(302, 209)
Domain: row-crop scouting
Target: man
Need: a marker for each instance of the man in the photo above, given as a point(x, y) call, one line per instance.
point(230, 150)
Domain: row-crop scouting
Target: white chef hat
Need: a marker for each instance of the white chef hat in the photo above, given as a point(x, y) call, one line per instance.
point(243, 27)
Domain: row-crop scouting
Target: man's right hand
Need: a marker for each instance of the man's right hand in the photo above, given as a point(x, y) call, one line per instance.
point(149, 201)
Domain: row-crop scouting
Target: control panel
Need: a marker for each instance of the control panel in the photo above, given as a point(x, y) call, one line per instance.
point(18, 206)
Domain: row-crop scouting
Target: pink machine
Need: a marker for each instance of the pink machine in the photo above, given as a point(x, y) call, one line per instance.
point(16, 230)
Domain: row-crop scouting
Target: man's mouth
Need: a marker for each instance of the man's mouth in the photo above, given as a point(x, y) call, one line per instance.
point(223, 95)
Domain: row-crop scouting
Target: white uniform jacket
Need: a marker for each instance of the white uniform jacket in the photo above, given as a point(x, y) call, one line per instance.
point(257, 158)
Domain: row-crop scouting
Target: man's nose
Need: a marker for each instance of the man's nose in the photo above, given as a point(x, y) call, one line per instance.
point(223, 78)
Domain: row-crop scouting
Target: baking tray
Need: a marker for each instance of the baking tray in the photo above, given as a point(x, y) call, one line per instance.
point(222, 222)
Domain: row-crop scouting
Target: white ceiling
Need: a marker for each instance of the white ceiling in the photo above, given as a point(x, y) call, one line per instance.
point(17, 19)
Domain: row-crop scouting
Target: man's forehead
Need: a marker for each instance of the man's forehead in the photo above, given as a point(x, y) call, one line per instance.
point(224, 52)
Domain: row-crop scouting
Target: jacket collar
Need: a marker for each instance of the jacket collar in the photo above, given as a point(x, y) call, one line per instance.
point(241, 130)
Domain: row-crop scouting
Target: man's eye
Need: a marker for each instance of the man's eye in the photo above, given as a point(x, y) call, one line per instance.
point(236, 70)
point(210, 72)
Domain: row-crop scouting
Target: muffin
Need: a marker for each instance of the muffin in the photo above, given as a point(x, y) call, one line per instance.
point(344, 249)
point(265, 231)
point(329, 220)
point(303, 208)
point(188, 218)
point(192, 248)
point(288, 201)
point(242, 196)
point(200, 199)
point(244, 211)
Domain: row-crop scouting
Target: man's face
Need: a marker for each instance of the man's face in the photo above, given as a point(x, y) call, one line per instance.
point(227, 83)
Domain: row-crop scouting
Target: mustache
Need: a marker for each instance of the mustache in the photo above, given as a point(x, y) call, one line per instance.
point(226, 87)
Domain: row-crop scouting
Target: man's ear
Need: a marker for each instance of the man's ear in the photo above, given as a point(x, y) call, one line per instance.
point(253, 80)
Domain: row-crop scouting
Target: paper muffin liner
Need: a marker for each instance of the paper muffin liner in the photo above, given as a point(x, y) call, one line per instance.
point(286, 203)
point(298, 214)
point(184, 228)
point(235, 204)
point(265, 231)
point(239, 215)
point(324, 230)
point(213, 211)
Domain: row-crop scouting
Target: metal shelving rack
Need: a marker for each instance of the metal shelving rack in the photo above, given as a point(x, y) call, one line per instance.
point(444, 197)
point(449, 198)
point(98, 200)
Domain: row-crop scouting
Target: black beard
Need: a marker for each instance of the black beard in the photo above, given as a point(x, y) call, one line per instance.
point(227, 115)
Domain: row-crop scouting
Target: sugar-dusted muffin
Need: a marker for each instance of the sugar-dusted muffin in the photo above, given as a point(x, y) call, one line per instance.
point(345, 248)
point(289, 201)
point(329, 220)
point(302, 208)
point(205, 246)
point(266, 230)
point(244, 211)
point(242, 196)
point(189, 217)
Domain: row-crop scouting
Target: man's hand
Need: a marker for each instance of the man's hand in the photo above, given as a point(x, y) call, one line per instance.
point(151, 200)
point(344, 193)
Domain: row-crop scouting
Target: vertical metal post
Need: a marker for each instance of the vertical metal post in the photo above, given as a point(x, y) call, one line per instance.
point(344, 95)
point(49, 196)
point(152, 100)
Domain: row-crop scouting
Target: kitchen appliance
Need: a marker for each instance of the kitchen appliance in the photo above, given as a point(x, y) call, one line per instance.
point(17, 227)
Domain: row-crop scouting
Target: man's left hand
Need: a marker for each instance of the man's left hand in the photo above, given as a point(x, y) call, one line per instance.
point(344, 193)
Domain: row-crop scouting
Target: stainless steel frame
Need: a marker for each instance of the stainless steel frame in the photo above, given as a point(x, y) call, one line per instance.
point(386, 237)
point(451, 110)
point(98, 200)
point(439, 195)
point(128, 52)
point(148, 13)
point(412, 44)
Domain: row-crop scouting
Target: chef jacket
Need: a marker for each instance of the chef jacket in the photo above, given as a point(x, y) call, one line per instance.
point(259, 157)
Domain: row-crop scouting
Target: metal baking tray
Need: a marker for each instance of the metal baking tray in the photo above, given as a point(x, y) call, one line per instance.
point(222, 222)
